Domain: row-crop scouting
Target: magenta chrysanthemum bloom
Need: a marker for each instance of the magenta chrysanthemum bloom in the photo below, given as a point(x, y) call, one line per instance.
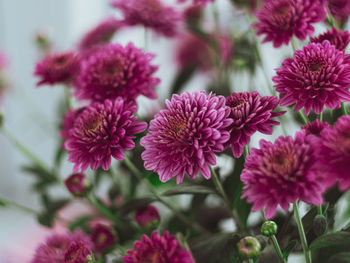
point(334, 152)
point(147, 216)
point(100, 34)
point(68, 121)
point(340, 9)
point(116, 71)
point(183, 138)
point(250, 113)
point(103, 237)
point(315, 128)
point(282, 173)
point(57, 68)
point(197, 2)
point(150, 13)
point(280, 20)
point(77, 252)
point(55, 247)
point(158, 249)
point(317, 76)
point(77, 184)
point(338, 38)
point(102, 131)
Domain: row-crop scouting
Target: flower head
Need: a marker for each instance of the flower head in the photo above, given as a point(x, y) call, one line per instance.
point(340, 9)
point(57, 68)
point(68, 121)
point(317, 76)
point(280, 20)
point(147, 216)
point(315, 128)
point(334, 152)
point(103, 237)
point(249, 247)
point(340, 39)
point(77, 184)
point(116, 71)
point(100, 34)
point(158, 248)
point(281, 173)
point(183, 138)
point(150, 13)
point(55, 247)
point(101, 131)
point(250, 113)
point(77, 252)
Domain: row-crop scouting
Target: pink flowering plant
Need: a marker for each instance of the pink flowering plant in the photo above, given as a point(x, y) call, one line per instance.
point(216, 174)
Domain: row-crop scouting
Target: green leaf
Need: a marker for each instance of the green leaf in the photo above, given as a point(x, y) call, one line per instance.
point(188, 189)
point(2, 202)
point(59, 154)
point(43, 177)
point(343, 257)
point(80, 222)
point(290, 247)
point(135, 204)
point(182, 77)
point(332, 239)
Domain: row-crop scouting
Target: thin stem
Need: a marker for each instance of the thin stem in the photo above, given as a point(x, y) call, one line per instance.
point(31, 156)
point(278, 249)
point(26, 209)
point(178, 213)
point(294, 44)
point(146, 39)
point(343, 108)
point(246, 151)
point(67, 97)
point(104, 210)
point(302, 234)
point(221, 191)
point(319, 209)
point(303, 116)
point(250, 260)
point(320, 116)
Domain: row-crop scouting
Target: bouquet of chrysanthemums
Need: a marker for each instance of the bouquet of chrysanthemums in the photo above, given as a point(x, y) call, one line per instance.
point(250, 171)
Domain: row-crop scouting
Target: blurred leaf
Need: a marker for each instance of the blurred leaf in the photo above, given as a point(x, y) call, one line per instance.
point(188, 189)
point(43, 177)
point(221, 247)
point(343, 257)
point(59, 154)
point(290, 247)
point(332, 239)
point(2, 202)
point(51, 207)
point(135, 204)
point(182, 77)
point(80, 222)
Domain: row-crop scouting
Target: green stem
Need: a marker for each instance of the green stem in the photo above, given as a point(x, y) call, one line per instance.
point(319, 209)
point(31, 156)
point(250, 260)
point(278, 249)
point(246, 151)
point(146, 39)
point(343, 107)
point(320, 116)
point(294, 44)
point(221, 191)
point(7, 202)
point(67, 97)
point(104, 210)
point(303, 116)
point(302, 234)
point(178, 213)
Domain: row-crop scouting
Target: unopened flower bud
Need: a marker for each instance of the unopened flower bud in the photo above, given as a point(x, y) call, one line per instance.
point(319, 225)
point(269, 228)
point(249, 247)
point(147, 216)
point(103, 237)
point(77, 184)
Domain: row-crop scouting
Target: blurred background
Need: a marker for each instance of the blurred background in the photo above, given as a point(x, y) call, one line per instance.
point(31, 113)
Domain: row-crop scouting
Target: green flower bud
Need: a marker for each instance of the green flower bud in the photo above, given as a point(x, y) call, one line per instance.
point(269, 228)
point(249, 247)
point(1, 120)
point(319, 225)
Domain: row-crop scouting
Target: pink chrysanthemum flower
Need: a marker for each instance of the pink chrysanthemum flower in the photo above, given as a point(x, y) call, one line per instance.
point(150, 13)
point(55, 247)
point(116, 71)
point(339, 39)
point(317, 76)
point(158, 249)
point(340, 9)
point(103, 237)
point(197, 2)
point(280, 20)
point(282, 173)
point(77, 184)
point(77, 252)
point(100, 34)
point(147, 216)
point(334, 152)
point(68, 121)
point(57, 68)
point(183, 138)
point(250, 113)
point(101, 131)
point(315, 128)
